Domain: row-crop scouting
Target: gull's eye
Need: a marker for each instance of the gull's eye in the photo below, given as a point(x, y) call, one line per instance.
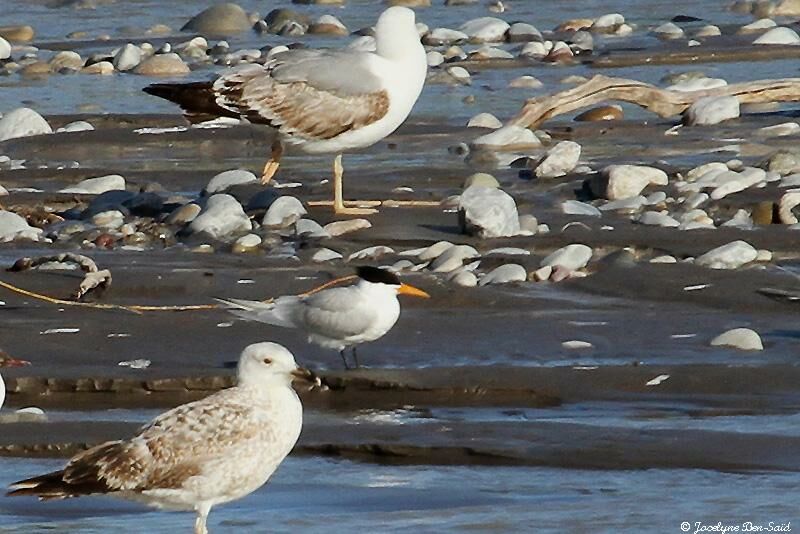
point(267, 361)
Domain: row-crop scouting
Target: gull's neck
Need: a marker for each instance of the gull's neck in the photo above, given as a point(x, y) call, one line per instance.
point(398, 44)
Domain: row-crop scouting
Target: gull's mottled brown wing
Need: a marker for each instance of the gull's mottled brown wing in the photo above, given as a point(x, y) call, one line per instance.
point(310, 95)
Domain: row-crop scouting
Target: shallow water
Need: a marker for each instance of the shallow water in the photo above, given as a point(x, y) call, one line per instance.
point(322, 495)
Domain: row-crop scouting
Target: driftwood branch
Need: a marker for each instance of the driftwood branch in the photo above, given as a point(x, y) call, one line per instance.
point(660, 101)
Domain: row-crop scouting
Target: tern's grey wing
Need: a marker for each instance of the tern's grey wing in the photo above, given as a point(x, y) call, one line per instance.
point(337, 313)
point(311, 96)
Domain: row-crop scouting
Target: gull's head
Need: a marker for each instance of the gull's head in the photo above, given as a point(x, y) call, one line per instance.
point(267, 362)
point(396, 33)
point(382, 279)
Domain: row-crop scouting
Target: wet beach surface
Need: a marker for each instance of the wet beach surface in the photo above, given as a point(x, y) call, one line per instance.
point(478, 411)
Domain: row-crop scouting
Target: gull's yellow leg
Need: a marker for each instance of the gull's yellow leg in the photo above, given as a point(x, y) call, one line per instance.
point(338, 201)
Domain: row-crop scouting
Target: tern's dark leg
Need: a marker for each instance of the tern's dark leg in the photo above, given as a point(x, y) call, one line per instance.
point(344, 358)
point(355, 358)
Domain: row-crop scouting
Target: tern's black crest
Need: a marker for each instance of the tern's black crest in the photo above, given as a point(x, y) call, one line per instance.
point(377, 276)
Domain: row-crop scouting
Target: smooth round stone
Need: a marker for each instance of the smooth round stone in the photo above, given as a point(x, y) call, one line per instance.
point(22, 122)
point(572, 257)
point(712, 110)
point(5, 49)
point(325, 254)
point(575, 207)
point(327, 25)
point(783, 162)
point(739, 338)
point(601, 113)
point(66, 59)
point(520, 32)
point(13, 227)
point(459, 74)
point(655, 218)
point(508, 251)
point(338, 228)
point(219, 20)
point(37, 68)
point(481, 179)
point(104, 68)
point(624, 204)
point(488, 212)
point(758, 25)
point(436, 250)
point(484, 120)
point(525, 82)
point(287, 22)
point(779, 36)
point(508, 136)
point(434, 58)
point(504, 274)
point(226, 179)
point(709, 30)
point(444, 36)
point(184, 214)
point(764, 255)
point(664, 259)
point(576, 345)
point(221, 217)
point(534, 49)
point(96, 186)
point(370, 253)
point(127, 57)
point(310, 228)
point(162, 65)
point(109, 219)
point(657, 197)
point(528, 224)
point(730, 256)
point(607, 23)
point(453, 258)
point(490, 52)
point(284, 212)
point(668, 30)
point(560, 53)
point(779, 130)
point(740, 220)
point(791, 180)
point(622, 181)
point(485, 29)
point(76, 126)
point(17, 34)
point(465, 278)
point(559, 160)
point(3, 191)
point(542, 274)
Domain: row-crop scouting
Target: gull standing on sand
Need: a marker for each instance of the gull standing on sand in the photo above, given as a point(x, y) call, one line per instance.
point(200, 454)
point(7, 361)
point(321, 101)
point(340, 317)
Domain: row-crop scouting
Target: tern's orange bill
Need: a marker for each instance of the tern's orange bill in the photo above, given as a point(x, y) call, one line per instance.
point(406, 289)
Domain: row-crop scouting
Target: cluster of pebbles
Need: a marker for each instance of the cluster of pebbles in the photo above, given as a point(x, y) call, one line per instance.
point(234, 214)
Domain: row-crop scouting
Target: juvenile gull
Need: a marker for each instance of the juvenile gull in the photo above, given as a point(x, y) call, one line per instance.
point(197, 455)
point(338, 318)
point(7, 361)
point(321, 101)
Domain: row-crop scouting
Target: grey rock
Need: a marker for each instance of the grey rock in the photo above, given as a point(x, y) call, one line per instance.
point(13, 227)
point(739, 338)
point(370, 253)
point(504, 274)
point(219, 20)
point(338, 228)
point(5, 49)
point(711, 110)
point(226, 179)
point(485, 29)
point(465, 278)
point(521, 32)
point(127, 58)
point(75, 126)
point(453, 258)
point(481, 179)
point(184, 214)
point(622, 181)
point(285, 211)
point(779, 36)
point(325, 254)
point(508, 136)
point(310, 228)
point(575, 207)
point(484, 120)
point(655, 218)
point(221, 217)
point(571, 257)
point(96, 186)
point(730, 256)
point(559, 160)
point(22, 122)
point(488, 212)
